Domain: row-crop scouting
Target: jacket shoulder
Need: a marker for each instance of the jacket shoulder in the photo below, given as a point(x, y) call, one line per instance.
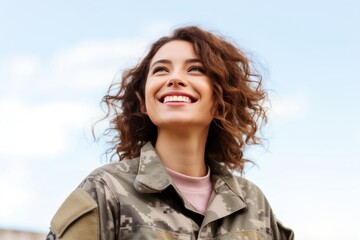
point(126, 166)
point(257, 202)
point(111, 181)
point(249, 189)
point(77, 218)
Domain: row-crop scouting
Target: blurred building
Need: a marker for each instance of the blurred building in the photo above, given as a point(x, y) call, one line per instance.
point(6, 234)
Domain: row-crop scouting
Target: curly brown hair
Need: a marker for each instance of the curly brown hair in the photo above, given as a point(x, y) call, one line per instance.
point(238, 95)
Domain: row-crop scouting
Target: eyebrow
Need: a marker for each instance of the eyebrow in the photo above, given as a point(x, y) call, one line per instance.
point(166, 61)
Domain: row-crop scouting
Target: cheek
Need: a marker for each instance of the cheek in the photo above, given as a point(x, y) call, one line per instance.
point(151, 88)
point(208, 89)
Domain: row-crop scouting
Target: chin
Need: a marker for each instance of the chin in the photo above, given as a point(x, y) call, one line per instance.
point(181, 124)
point(176, 122)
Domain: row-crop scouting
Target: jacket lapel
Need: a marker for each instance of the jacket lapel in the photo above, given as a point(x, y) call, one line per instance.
point(152, 176)
point(227, 198)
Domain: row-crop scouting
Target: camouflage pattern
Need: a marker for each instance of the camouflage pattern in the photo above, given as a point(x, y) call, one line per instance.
point(137, 199)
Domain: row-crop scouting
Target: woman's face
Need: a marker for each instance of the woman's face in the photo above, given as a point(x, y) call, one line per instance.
point(178, 90)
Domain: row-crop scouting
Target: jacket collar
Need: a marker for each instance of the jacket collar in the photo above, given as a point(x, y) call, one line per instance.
point(228, 197)
point(223, 179)
point(152, 176)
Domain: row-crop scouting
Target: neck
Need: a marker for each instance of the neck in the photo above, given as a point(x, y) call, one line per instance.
point(183, 153)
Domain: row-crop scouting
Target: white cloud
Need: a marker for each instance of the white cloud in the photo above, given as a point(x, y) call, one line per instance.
point(17, 75)
point(96, 52)
point(90, 65)
point(41, 130)
point(22, 66)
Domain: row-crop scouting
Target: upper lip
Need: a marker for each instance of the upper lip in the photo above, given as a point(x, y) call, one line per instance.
point(177, 93)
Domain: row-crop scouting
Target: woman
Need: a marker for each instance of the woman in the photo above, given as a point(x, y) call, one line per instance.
point(182, 119)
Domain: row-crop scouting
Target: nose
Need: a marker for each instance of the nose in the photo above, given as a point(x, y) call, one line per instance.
point(176, 80)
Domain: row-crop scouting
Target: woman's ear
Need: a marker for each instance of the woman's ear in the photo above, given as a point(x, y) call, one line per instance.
point(142, 102)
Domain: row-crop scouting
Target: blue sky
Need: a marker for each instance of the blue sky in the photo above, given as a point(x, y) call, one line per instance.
point(57, 60)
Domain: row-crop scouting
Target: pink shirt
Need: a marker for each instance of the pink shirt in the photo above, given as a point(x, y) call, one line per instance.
point(196, 190)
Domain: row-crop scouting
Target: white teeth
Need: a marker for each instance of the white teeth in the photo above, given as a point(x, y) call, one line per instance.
point(177, 99)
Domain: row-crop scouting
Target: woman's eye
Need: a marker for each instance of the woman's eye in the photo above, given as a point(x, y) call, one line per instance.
point(197, 69)
point(159, 69)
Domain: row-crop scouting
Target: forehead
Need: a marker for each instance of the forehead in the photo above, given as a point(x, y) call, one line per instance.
point(175, 50)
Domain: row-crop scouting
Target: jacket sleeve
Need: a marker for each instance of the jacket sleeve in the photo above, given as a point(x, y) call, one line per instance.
point(87, 214)
point(280, 232)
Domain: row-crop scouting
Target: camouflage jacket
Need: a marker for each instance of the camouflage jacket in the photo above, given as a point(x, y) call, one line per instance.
point(136, 199)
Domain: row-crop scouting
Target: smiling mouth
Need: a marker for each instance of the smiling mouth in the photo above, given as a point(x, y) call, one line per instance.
point(175, 98)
